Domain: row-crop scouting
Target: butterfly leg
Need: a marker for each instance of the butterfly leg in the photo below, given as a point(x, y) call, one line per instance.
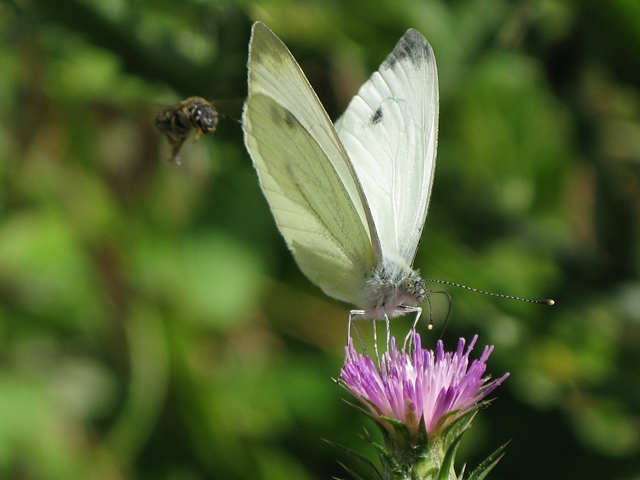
point(418, 312)
point(352, 314)
point(375, 339)
point(388, 325)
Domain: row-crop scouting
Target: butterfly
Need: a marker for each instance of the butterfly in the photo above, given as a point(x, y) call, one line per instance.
point(350, 199)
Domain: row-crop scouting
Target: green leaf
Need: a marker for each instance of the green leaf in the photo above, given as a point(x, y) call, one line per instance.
point(361, 458)
point(487, 465)
point(448, 462)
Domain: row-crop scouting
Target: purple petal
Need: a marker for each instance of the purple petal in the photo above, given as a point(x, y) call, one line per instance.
point(419, 383)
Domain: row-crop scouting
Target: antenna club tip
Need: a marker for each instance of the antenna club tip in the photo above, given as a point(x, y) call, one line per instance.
point(548, 301)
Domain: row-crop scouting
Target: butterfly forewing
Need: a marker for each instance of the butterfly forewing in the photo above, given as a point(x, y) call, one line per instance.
point(304, 172)
point(274, 72)
point(390, 133)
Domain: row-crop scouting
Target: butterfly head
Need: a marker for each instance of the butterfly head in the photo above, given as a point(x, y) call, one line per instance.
point(392, 288)
point(412, 288)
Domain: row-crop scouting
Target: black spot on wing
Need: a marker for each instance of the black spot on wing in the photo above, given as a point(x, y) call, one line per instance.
point(376, 118)
point(413, 47)
point(282, 116)
point(290, 121)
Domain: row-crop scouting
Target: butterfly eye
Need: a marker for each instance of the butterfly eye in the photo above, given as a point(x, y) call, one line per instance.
point(413, 286)
point(408, 286)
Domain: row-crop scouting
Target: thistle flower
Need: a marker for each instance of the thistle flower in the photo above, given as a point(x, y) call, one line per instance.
point(422, 401)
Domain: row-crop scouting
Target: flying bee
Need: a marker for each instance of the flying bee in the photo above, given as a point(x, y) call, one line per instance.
point(177, 121)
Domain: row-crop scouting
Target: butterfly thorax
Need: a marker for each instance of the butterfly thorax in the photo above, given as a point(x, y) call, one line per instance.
point(390, 287)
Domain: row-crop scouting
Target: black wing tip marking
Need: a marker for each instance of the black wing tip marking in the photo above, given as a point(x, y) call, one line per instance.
point(412, 46)
point(376, 118)
point(260, 33)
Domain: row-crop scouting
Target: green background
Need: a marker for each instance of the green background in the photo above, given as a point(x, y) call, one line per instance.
point(153, 324)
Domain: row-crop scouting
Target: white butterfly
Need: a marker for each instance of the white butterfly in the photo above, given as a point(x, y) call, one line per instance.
point(349, 200)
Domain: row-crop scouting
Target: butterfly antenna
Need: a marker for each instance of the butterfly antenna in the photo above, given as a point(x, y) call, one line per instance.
point(546, 301)
point(446, 320)
point(430, 326)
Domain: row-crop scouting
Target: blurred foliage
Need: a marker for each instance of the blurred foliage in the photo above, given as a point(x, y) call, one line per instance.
point(152, 323)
